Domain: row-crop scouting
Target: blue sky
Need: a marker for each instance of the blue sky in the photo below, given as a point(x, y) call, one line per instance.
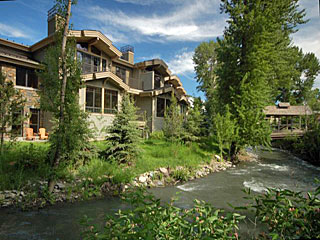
point(167, 29)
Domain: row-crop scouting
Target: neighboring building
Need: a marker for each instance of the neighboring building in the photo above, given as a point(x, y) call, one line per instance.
point(108, 74)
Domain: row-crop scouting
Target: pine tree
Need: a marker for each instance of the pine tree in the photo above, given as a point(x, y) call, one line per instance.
point(173, 121)
point(123, 134)
point(11, 103)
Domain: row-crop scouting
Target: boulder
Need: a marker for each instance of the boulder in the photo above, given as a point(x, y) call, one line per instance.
point(142, 179)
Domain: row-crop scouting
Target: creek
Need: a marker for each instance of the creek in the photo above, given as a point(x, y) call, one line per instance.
point(272, 169)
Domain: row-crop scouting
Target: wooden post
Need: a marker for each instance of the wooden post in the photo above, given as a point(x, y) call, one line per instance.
point(287, 122)
point(279, 123)
point(291, 124)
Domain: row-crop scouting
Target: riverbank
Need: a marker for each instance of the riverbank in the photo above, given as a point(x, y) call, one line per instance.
point(160, 164)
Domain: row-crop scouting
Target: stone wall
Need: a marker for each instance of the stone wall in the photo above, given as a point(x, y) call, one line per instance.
point(31, 95)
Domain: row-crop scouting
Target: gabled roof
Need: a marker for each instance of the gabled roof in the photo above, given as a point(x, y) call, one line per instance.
point(92, 36)
point(287, 110)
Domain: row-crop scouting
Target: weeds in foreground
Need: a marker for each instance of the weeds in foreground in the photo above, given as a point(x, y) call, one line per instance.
point(150, 219)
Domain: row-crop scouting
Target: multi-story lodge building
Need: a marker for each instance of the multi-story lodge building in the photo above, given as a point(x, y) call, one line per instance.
point(108, 73)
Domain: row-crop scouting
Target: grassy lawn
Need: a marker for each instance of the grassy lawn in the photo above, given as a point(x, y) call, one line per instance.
point(26, 161)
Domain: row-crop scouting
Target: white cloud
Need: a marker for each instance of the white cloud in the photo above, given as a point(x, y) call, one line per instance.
point(189, 20)
point(182, 63)
point(10, 31)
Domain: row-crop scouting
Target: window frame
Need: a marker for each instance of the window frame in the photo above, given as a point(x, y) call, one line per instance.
point(93, 108)
point(167, 103)
point(27, 74)
point(111, 109)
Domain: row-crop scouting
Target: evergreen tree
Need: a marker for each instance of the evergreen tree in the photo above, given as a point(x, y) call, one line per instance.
point(123, 134)
point(193, 122)
point(173, 121)
point(61, 81)
point(11, 105)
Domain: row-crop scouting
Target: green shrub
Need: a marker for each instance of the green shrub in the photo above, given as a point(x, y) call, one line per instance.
point(288, 214)
point(148, 219)
point(158, 135)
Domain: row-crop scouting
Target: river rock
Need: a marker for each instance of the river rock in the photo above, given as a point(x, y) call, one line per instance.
point(142, 179)
point(217, 157)
point(2, 197)
point(164, 171)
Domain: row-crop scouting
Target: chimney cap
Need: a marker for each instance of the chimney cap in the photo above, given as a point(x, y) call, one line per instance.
point(127, 48)
point(53, 11)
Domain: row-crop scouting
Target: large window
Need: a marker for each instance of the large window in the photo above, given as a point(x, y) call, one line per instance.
point(93, 99)
point(162, 104)
point(26, 77)
point(35, 119)
point(90, 63)
point(110, 101)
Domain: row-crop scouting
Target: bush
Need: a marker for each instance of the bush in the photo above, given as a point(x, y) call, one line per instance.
point(289, 214)
point(157, 135)
point(148, 219)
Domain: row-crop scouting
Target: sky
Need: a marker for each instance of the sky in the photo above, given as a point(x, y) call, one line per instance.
point(166, 29)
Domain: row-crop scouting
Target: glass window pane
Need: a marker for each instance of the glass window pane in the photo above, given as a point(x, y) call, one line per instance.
point(32, 79)
point(104, 65)
point(21, 76)
point(107, 99)
point(89, 97)
point(114, 101)
point(96, 67)
point(97, 99)
point(160, 107)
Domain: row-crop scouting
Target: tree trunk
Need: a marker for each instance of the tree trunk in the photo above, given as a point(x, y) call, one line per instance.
point(57, 155)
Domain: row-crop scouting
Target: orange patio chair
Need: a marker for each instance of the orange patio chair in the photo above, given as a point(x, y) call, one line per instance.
point(42, 134)
point(30, 135)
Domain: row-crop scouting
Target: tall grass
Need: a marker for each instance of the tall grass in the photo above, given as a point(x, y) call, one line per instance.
point(27, 162)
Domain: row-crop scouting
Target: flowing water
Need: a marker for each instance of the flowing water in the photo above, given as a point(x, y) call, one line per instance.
point(274, 169)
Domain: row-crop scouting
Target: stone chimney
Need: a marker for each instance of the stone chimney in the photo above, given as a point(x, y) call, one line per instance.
point(53, 20)
point(128, 53)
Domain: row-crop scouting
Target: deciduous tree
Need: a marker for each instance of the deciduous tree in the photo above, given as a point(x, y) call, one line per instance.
point(11, 106)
